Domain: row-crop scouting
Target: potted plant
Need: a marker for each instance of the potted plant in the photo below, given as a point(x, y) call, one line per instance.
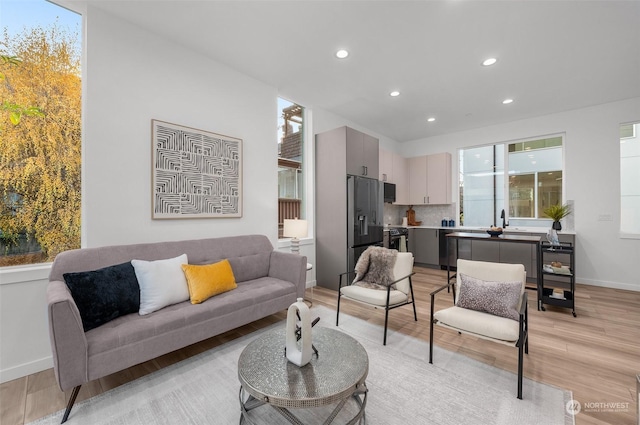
point(557, 212)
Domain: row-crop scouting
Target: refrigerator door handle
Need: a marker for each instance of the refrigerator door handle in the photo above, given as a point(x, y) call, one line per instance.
point(364, 225)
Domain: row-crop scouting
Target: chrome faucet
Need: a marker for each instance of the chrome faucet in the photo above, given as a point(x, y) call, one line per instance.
point(504, 222)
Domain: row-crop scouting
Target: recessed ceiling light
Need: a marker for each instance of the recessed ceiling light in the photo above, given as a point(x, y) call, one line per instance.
point(431, 119)
point(394, 93)
point(341, 54)
point(489, 61)
point(507, 101)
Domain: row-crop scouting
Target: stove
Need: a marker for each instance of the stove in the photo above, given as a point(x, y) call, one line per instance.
point(395, 238)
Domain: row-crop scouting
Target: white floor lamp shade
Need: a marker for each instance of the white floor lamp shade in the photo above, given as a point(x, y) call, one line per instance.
point(296, 229)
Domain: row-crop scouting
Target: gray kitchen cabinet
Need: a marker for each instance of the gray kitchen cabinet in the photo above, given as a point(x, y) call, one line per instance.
point(334, 155)
point(485, 251)
point(519, 254)
point(424, 245)
point(362, 154)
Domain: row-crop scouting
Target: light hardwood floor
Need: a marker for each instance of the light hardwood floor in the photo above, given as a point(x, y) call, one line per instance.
point(596, 355)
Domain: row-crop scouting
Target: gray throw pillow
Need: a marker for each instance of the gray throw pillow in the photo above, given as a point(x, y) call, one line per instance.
point(497, 298)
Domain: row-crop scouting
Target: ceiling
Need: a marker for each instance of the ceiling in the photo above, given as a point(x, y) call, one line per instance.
point(552, 55)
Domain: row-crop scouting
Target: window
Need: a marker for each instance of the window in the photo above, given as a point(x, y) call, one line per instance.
point(290, 162)
point(629, 178)
point(523, 178)
point(40, 89)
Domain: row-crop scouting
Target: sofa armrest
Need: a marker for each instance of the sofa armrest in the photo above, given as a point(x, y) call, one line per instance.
point(291, 268)
point(68, 341)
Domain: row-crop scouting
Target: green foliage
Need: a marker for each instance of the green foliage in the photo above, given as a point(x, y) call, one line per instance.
point(557, 212)
point(40, 156)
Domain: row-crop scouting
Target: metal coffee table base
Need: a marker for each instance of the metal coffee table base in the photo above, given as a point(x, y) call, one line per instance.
point(335, 376)
point(359, 396)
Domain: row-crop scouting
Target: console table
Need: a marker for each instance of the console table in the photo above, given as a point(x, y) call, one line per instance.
point(335, 376)
point(511, 238)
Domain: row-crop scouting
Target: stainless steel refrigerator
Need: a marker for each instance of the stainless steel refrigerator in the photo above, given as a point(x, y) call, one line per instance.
point(364, 216)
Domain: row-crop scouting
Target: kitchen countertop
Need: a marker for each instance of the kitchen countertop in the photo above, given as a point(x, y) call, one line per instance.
point(509, 229)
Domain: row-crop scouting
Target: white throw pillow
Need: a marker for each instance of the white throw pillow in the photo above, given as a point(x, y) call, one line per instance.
point(162, 283)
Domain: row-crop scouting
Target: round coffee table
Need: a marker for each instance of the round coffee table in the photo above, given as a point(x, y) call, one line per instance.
point(335, 376)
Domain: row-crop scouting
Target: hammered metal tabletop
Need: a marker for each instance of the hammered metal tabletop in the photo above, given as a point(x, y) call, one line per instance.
point(333, 375)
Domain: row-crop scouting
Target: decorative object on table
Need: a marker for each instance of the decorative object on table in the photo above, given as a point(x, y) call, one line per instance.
point(557, 212)
point(196, 173)
point(552, 237)
point(411, 217)
point(494, 231)
point(298, 356)
point(296, 229)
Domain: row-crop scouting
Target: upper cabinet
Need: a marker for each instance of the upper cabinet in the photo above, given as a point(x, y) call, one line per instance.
point(401, 179)
point(393, 169)
point(385, 166)
point(362, 154)
point(430, 179)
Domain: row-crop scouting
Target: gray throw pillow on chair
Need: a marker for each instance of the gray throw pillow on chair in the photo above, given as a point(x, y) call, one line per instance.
point(497, 298)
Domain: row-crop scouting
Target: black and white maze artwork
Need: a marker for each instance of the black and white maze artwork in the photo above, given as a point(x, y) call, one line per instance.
point(195, 174)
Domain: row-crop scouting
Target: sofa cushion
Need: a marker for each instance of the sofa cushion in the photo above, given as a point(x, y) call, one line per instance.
point(208, 280)
point(253, 295)
point(497, 298)
point(104, 294)
point(162, 283)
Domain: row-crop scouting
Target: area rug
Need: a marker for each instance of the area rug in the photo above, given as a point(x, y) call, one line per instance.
point(403, 388)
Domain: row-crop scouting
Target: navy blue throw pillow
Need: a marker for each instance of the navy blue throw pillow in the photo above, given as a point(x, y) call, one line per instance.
point(104, 294)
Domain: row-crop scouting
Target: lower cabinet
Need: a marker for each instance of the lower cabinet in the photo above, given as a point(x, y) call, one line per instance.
point(485, 251)
point(423, 243)
point(517, 253)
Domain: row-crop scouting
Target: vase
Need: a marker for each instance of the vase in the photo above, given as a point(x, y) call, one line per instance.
point(556, 225)
point(299, 355)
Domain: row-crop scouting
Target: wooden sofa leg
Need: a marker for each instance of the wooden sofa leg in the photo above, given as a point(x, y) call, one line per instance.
point(72, 400)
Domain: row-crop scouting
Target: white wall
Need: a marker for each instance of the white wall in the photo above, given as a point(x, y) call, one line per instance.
point(592, 181)
point(133, 76)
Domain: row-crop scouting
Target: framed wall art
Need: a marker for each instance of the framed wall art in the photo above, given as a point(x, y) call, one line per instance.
point(196, 173)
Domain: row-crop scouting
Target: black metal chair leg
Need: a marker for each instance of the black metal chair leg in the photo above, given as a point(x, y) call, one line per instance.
point(520, 358)
point(72, 400)
point(386, 319)
point(431, 333)
point(339, 296)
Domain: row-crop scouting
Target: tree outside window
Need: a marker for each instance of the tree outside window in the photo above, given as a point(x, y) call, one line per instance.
point(40, 143)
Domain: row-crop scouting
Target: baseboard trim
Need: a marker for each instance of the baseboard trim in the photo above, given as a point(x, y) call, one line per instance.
point(608, 284)
point(25, 369)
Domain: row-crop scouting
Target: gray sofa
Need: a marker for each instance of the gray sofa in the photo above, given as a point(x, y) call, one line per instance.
point(268, 282)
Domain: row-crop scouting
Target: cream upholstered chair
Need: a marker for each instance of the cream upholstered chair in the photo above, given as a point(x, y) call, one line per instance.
point(477, 307)
point(397, 294)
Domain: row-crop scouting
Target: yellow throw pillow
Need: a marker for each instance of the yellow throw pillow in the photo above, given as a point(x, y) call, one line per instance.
point(208, 280)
